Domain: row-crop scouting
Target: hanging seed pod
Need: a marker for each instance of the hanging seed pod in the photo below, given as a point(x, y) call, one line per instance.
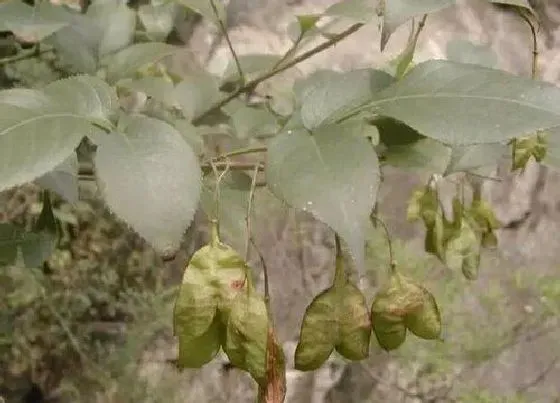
point(390, 330)
point(426, 321)
point(318, 336)
point(354, 323)
point(337, 319)
point(247, 335)
point(463, 252)
point(214, 276)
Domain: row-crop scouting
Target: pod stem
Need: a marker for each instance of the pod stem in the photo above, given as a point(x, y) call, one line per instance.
point(340, 277)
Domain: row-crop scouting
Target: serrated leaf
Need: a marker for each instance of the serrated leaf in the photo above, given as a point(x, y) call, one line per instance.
point(470, 158)
point(327, 96)
point(397, 12)
point(357, 10)
point(426, 154)
point(118, 23)
point(150, 178)
point(76, 44)
point(196, 94)
point(32, 23)
point(158, 20)
point(310, 172)
point(36, 135)
point(247, 335)
point(128, 61)
point(204, 8)
point(63, 179)
point(85, 96)
point(254, 122)
point(462, 104)
point(463, 51)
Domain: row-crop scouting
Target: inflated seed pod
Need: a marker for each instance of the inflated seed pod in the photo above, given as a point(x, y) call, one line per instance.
point(354, 323)
point(212, 279)
point(426, 321)
point(318, 333)
point(389, 330)
point(247, 335)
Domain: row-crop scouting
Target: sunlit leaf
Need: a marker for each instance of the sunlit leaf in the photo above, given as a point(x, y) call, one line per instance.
point(158, 20)
point(310, 172)
point(327, 96)
point(36, 135)
point(196, 94)
point(128, 61)
point(461, 104)
point(150, 178)
point(63, 179)
point(397, 12)
point(118, 23)
point(357, 10)
point(204, 8)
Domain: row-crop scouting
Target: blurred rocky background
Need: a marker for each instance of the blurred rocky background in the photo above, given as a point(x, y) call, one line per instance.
point(94, 325)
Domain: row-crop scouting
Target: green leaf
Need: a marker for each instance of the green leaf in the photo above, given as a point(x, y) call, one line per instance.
point(254, 122)
point(204, 8)
point(118, 23)
point(425, 154)
point(35, 247)
point(312, 173)
point(150, 178)
point(247, 335)
point(327, 96)
point(32, 23)
point(190, 135)
point(159, 20)
point(36, 135)
point(303, 25)
point(471, 158)
point(357, 10)
point(76, 45)
point(463, 51)
point(196, 94)
point(252, 66)
point(159, 88)
point(85, 96)
point(397, 12)
point(462, 104)
point(128, 61)
point(63, 179)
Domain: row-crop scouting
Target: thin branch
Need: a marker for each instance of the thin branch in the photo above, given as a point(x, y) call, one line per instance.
point(535, 44)
point(223, 28)
point(248, 87)
point(250, 208)
point(540, 377)
point(28, 54)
